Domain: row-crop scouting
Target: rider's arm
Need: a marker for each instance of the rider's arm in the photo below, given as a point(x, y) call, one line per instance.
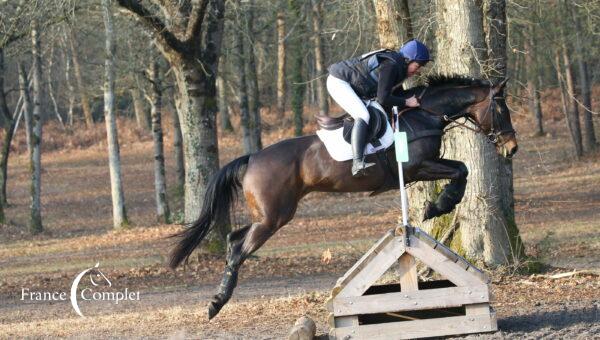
point(389, 76)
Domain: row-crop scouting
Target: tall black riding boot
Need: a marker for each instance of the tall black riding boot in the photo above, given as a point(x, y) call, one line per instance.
point(359, 140)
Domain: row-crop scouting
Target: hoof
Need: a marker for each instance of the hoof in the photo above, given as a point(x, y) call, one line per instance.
point(214, 307)
point(431, 211)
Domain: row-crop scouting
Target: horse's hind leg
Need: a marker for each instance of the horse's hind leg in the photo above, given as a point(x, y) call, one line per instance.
point(452, 193)
point(241, 244)
point(235, 240)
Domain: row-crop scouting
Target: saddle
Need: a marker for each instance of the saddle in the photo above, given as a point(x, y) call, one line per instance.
point(376, 127)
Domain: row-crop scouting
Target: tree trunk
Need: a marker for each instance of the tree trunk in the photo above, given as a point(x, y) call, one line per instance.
point(389, 24)
point(223, 108)
point(572, 105)
point(198, 129)
point(191, 43)
point(495, 30)
point(36, 133)
point(281, 60)
point(405, 19)
point(297, 76)
point(8, 135)
point(484, 233)
point(178, 150)
point(322, 96)
point(85, 103)
point(70, 87)
point(532, 82)
point(24, 88)
point(142, 118)
point(245, 119)
point(114, 158)
point(51, 87)
point(252, 82)
point(561, 86)
point(160, 183)
point(589, 140)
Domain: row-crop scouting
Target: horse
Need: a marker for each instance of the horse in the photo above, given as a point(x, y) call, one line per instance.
point(274, 179)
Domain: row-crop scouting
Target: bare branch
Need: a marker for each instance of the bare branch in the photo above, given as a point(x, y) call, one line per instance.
point(192, 34)
point(154, 23)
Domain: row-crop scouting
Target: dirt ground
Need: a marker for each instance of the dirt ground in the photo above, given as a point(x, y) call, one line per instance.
point(557, 207)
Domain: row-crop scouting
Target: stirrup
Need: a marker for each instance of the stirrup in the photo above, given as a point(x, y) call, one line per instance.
point(359, 167)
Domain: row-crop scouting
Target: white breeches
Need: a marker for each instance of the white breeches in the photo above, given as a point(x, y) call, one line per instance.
point(344, 95)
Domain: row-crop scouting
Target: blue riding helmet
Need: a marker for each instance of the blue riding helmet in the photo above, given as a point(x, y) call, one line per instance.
point(414, 50)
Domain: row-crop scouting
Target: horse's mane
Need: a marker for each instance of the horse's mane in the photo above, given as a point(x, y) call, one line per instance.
point(455, 80)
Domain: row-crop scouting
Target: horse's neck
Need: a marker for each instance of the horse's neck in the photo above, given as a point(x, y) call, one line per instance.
point(446, 102)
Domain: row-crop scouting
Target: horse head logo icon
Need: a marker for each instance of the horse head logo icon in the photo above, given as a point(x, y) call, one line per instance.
point(97, 278)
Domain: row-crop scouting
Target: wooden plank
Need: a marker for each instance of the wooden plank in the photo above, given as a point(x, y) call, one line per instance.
point(447, 252)
point(408, 273)
point(494, 321)
point(416, 300)
point(426, 238)
point(346, 321)
point(478, 309)
point(441, 264)
point(331, 320)
point(377, 266)
point(478, 272)
point(365, 259)
point(418, 328)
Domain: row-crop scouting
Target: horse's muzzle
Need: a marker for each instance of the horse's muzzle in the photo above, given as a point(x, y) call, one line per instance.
point(508, 149)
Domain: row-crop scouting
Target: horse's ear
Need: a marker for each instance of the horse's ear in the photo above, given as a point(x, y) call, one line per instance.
point(498, 88)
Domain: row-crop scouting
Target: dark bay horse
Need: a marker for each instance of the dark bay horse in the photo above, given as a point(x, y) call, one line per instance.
point(276, 178)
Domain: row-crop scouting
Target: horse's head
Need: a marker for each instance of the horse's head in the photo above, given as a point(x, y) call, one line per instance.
point(478, 100)
point(491, 113)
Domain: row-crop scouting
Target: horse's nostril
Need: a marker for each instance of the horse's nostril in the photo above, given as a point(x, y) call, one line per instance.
point(514, 150)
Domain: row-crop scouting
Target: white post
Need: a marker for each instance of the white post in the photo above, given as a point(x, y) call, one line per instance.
point(401, 143)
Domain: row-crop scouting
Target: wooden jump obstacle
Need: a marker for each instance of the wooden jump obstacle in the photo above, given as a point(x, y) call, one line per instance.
point(410, 309)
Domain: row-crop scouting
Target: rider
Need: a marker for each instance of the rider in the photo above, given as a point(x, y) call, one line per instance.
point(373, 75)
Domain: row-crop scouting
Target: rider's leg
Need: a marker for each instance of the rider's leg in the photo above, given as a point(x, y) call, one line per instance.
point(344, 95)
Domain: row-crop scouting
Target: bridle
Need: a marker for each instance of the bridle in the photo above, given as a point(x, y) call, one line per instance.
point(495, 132)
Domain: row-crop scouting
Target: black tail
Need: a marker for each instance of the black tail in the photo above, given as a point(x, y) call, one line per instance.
point(220, 193)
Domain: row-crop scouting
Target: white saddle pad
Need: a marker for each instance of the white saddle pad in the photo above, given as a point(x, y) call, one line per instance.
point(340, 150)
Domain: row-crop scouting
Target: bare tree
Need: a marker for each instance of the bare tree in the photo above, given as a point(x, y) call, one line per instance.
point(223, 108)
point(114, 158)
point(193, 53)
point(391, 26)
point(484, 234)
point(535, 105)
point(9, 129)
point(571, 101)
point(85, 102)
point(141, 114)
point(178, 150)
point(589, 139)
point(281, 61)
point(252, 81)
point(245, 118)
point(70, 88)
point(160, 183)
point(51, 86)
point(297, 65)
point(36, 132)
point(322, 96)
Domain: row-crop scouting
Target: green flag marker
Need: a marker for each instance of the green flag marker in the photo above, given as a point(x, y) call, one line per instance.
point(401, 143)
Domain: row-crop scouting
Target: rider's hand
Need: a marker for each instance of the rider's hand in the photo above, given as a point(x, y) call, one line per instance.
point(412, 102)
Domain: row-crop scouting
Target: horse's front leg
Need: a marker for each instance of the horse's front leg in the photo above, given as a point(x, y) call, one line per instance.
point(452, 193)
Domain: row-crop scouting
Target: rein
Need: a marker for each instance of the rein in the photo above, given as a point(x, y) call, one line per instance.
point(492, 136)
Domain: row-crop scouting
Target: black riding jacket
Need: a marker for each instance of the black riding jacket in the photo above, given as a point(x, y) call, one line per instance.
point(374, 78)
